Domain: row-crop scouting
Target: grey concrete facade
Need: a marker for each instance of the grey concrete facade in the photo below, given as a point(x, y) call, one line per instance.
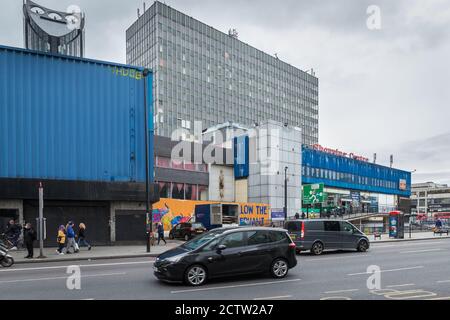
point(277, 147)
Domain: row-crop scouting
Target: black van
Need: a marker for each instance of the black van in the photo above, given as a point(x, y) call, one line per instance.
point(318, 235)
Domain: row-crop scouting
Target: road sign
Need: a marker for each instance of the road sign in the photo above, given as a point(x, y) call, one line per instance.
point(313, 193)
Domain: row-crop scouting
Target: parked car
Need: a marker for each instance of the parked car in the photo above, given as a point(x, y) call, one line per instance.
point(227, 252)
point(186, 230)
point(319, 235)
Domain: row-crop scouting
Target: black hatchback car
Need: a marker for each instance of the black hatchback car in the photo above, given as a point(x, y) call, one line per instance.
point(228, 252)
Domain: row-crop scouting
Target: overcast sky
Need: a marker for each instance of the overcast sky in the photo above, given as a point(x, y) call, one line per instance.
point(385, 91)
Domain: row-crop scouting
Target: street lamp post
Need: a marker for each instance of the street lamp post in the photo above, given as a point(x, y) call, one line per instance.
point(285, 193)
point(148, 214)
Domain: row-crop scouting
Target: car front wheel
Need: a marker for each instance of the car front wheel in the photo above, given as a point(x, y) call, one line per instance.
point(195, 275)
point(279, 268)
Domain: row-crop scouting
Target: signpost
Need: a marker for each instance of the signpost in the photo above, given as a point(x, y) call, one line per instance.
point(312, 194)
point(41, 222)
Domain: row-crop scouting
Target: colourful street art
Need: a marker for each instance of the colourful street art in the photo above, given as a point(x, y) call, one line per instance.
point(172, 211)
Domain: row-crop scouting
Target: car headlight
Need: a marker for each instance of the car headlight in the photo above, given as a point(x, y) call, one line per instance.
point(174, 259)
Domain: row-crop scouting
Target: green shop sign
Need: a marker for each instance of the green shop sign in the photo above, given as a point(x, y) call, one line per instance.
point(313, 193)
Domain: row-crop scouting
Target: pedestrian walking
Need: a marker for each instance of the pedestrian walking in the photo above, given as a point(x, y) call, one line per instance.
point(161, 233)
point(29, 238)
point(70, 234)
point(82, 237)
point(61, 240)
point(438, 224)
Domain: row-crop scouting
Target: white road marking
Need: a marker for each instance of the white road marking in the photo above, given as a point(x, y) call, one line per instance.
point(336, 298)
point(336, 258)
point(389, 270)
point(443, 281)
point(440, 298)
point(274, 298)
point(374, 246)
point(419, 251)
point(235, 286)
point(412, 294)
point(58, 278)
point(81, 266)
point(401, 285)
point(341, 291)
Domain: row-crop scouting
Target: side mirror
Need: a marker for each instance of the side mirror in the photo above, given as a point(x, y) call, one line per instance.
point(221, 248)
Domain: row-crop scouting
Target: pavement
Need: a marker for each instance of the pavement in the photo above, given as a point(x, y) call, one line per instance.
point(417, 270)
point(101, 252)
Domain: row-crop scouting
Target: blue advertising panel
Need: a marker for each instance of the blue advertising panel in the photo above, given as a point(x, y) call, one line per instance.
point(241, 157)
point(393, 226)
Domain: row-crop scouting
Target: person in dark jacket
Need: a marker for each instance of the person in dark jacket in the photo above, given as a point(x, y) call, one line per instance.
point(161, 233)
point(29, 237)
point(82, 236)
point(13, 232)
point(70, 241)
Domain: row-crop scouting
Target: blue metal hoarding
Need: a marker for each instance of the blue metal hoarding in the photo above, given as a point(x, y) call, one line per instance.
point(347, 173)
point(68, 118)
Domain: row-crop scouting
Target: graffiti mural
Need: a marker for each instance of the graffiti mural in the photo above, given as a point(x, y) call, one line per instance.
point(172, 211)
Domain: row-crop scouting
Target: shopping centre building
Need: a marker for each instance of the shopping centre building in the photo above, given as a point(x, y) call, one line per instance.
point(353, 184)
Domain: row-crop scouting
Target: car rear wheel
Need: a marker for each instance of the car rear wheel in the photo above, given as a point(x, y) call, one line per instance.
point(279, 268)
point(195, 275)
point(317, 248)
point(186, 237)
point(363, 246)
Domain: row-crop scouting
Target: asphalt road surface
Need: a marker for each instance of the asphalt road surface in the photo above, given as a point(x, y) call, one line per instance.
point(409, 270)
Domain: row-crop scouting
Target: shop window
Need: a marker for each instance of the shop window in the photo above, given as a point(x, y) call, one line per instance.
point(178, 191)
point(189, 166)
point(177, 164)
point(202, 193)
point(164, 188)
point(162, 162)
point(191, 192)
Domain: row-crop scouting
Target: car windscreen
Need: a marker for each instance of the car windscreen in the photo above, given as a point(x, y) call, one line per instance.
point(201, 240)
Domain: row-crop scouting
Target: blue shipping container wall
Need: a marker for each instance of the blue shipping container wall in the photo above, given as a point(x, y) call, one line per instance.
point(346, 173)
point(67, 118)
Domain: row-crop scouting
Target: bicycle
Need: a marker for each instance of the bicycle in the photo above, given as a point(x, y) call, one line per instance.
point(7, 242)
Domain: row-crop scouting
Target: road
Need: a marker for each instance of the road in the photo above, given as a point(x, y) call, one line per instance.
point(409, 270)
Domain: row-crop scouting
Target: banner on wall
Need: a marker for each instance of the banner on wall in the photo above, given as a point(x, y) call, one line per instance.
point(254, 214)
